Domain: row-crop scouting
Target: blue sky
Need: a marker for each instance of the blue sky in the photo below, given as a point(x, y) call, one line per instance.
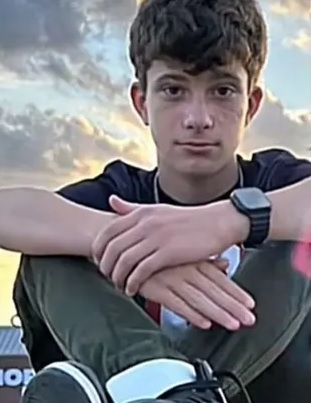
point(288, 72)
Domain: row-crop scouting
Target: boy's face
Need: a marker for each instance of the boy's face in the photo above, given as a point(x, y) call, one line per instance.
point(197, 121)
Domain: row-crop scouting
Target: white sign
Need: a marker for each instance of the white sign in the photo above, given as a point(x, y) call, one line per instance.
point(15, 377)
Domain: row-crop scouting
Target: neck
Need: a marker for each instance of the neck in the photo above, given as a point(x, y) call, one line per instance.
point(198, 189)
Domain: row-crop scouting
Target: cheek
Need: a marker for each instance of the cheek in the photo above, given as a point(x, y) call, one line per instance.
point(164, 121)
point(232, 116)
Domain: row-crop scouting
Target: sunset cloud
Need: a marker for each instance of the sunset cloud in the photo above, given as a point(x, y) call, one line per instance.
point(38, 142)
point(298, 8)
point(302, 41)
point(275, 126)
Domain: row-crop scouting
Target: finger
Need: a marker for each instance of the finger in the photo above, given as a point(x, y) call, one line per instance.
point(206, 307)
point(147, 267)
point(128, 261)
point(117, 227)
point(168, 298)
point(221, 264)
point(121, 206)
point(224, 300)
point(115, 252)
point(230, 287)
point(183, 309)
point(151, 265)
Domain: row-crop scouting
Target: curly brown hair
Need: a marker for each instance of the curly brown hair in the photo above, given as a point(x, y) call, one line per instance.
point(199, 33)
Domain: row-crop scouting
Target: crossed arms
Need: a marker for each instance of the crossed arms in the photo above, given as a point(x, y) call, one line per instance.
point(134, 245)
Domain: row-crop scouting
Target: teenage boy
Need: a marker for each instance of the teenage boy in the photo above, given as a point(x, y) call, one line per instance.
point(197, 65)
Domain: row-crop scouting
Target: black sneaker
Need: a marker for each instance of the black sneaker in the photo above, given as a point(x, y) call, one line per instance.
point(206, 389)
point(64, 382)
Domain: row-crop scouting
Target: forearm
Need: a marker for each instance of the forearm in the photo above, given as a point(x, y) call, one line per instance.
point(290, 215)
point(39, 222)
point(291, 211)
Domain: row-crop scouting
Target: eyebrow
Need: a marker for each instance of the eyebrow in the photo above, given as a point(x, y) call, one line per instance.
point(220, 73)
point(216, 73)
point(171, 76)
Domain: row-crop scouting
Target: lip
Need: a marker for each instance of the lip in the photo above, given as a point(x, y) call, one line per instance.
point(199, 145)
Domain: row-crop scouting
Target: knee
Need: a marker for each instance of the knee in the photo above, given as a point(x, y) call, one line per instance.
point(269, 273)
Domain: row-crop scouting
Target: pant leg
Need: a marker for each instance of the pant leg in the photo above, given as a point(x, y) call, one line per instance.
point(89, 319)
point(283, 300)
point(287, 380)
point(41, 347)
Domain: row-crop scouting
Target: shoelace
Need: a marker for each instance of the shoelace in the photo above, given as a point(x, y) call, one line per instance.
point(208, 380)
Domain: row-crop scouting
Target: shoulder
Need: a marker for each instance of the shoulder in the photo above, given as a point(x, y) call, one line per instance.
point(275, 168)
point(125, 180)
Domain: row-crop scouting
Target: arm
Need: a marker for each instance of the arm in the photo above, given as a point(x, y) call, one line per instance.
point(291, 213)
point(39, 222)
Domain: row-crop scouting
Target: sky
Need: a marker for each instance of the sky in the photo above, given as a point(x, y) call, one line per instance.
point(64, 110)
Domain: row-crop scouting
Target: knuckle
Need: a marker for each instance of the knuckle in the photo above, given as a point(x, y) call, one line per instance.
point(123, 262)
point(142, 212)
point(127, 262)
point(108, 232)
point(111, 249)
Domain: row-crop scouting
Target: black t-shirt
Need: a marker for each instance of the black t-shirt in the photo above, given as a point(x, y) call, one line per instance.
point(268, 170)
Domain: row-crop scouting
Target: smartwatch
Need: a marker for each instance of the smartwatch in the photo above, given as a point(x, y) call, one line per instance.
point(253, 203)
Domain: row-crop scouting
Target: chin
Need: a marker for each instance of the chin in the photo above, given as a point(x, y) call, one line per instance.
point(199, 169)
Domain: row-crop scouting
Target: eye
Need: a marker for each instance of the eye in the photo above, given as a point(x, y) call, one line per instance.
point(173, 91)
point(224, 91)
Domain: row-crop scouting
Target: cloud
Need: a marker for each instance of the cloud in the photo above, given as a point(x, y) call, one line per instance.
point(296, 8)
point(276, 126)
point(302, 41)
point(44, 142)
point(66, 45)
point(61, 25)
point(114, 11)
point(29, 24)
point(84, 74)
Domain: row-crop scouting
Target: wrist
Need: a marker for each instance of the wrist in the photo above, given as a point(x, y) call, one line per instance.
point(233, 224)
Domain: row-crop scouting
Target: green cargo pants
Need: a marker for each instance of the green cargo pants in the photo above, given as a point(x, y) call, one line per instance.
point(69, 311)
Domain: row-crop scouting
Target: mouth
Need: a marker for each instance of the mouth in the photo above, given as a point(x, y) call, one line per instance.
point(200, 145)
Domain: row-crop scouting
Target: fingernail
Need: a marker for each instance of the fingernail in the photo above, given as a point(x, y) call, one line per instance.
point(250, 303)
point(129, 292)
point(233, 325)
point(249, 319)
point(206, 324)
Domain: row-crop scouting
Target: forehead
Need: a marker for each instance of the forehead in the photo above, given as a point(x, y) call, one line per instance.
point(162, 69)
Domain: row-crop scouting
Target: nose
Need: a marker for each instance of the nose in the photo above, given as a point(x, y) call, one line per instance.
point(198, 117)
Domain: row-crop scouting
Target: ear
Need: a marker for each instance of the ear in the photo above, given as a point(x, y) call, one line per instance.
point(139, 101)
point(254, 103)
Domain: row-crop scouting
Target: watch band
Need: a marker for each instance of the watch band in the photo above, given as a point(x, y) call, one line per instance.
point(255, 205)
point(259, 229)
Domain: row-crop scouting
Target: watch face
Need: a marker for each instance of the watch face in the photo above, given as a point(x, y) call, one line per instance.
point(253, 198)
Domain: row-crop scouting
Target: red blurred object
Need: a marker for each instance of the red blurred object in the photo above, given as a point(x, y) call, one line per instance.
point(302, 257)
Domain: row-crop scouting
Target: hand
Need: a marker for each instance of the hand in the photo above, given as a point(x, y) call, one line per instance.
point(202, 294)
point(146, 239)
